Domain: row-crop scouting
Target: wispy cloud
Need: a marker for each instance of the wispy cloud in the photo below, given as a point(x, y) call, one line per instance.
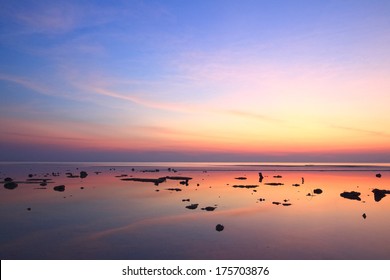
point(360, 130)
point(27, 84)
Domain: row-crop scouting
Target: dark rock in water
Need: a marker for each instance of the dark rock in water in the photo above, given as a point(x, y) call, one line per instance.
point(278, 176)
point(81, 188)
point(364, 216)
point(317, 191)
point(83, 174)
point(276, 203)
point(184, 183)
point(174, 189)
point(28, 209)
point(10, 185)
point(155, 181)
point(192, 206)
point(274, 184)
point(379, 194)
point(240, 178)
point(180, 178)
point(209, 208)
point(59, 188)
point(261, 177)
point(296, 185)
point(8, 179)
point(286, 204)
point(30, 175)
point(351, 195)
point(261, 199)
point(70, 175)
point(245, 186)
point(219, 227)
point(378, 175)
point(303, 180)
point(308, 194)
point(185, 199)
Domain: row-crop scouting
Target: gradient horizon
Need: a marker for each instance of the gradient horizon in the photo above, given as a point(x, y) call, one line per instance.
point(202, 81)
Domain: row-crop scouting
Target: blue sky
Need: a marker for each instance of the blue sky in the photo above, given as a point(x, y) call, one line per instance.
point(195, 80)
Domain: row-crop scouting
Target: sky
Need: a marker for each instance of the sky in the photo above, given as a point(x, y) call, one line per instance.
point(195, 80)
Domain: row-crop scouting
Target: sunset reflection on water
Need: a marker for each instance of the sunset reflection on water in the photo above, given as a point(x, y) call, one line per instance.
point(104, 217)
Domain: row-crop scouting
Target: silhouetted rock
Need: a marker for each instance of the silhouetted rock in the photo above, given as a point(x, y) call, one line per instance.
point(209, 208)
point(278, 176)
point(174, 189)
point(364, 216)
point(261, 177)
point(219, 227)
point(240, 178)
point(59, 188)
point(261, 199)
point(10, 185)
point(378, 175)
point(317, 191)
point(245, 186)
point(28, 209)
point(192, 206)
point(8, 179)
point(155, 181)
point(274, 184)
point(83, 174)
point(276, 203)
point(303, 180)
point(286, 204)
point(30, 175)
point(351, 195)
point(295, 185)
point(379, 194)
point(70, 175)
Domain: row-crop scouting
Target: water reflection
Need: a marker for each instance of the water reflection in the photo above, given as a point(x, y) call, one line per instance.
point(133, 212)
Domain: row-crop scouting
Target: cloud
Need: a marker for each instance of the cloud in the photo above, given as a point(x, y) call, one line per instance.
point(360, 130)
point(27, 84)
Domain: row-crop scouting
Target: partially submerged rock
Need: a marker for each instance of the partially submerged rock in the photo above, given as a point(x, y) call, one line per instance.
point(83, 174)
point(245, 186)
point(317, 191)
point(174, 189)
point(286, 204)
point(59, 188)
point(219, 227)
point(192, 206)
point(276, 203)
point(10, 185)
point(240, 178)
point(378, 175)
point(364, 216)
point(278, 176)
point(274, 184)
point(295, 185)
point(379, 194)
point(261, 177)
point(146, 180)
point(209, 208)
point(351, 195)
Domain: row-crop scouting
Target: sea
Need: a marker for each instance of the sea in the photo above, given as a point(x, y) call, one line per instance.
point(194, 211)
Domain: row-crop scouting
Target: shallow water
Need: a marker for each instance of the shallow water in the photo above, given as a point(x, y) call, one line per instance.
point(104, 217)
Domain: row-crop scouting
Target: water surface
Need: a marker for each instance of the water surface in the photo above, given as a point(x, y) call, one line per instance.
point(102, 216)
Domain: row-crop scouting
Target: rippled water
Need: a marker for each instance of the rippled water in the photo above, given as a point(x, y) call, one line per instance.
point(102, 216)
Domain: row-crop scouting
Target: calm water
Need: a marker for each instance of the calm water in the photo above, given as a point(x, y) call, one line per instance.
point(103, 217)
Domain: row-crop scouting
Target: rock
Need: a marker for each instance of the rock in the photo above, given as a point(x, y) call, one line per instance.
point(303, 181)
point(219, 227)
point(351, 195)
point(261, 199)
point(83, 174)
point(185, 199)
point(278, 176)
point(379, 194)
point(8, 179)
point(245, 186)
point(155, 181)
point(81, 188)
point(209, 208)
point(296, 185)
point(364, 216)
point(59, 188)
point(240, 178)
point(261, 177)
point(317, 191)
point(276, 203)
point(378, 175)
point(192, 206)
point(10, 185)
point(28, 209)
point(286, 204)
point(174, 189)
point(30, 175)
point(274, 184)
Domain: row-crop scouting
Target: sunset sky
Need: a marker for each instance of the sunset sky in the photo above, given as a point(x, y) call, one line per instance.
point(195, 80)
